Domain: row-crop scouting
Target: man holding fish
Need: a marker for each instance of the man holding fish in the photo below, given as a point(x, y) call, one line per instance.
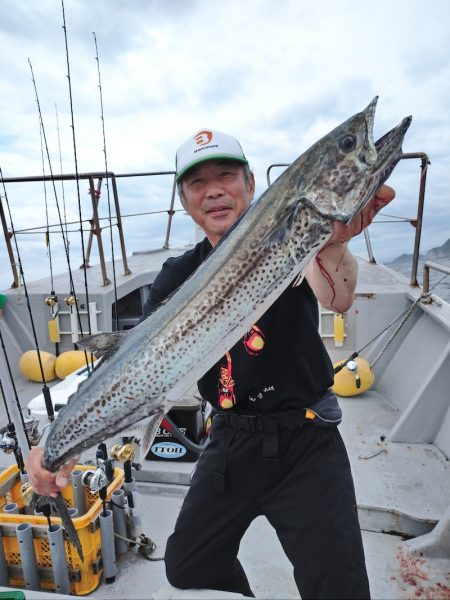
point(275, 447)
point(298, 476)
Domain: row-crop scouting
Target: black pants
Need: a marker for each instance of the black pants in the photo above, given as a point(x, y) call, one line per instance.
point(309, 499)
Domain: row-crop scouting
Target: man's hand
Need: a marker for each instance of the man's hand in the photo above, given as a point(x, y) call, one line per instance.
point(44, 482)
point(344, 233)
point(333, 274)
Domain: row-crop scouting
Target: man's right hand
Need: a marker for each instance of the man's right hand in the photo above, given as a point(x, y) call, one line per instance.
point(44, 482)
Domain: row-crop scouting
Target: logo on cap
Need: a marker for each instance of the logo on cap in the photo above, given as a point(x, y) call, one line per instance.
point(203, 137)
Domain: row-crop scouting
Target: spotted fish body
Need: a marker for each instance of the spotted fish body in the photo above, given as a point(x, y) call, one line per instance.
point(281, 232)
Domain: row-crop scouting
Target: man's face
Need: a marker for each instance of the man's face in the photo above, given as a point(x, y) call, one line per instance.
point(216, 195)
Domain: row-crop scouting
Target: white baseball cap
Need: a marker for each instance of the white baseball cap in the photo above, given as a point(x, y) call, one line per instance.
point(207, 144)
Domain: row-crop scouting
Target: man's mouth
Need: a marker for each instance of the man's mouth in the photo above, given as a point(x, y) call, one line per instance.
point(218, 210)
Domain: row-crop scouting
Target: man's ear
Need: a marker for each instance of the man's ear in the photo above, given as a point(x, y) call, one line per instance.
point(252, 183)
point(182, 199)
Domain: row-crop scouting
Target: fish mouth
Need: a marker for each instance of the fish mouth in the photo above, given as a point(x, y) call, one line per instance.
point(381, 157)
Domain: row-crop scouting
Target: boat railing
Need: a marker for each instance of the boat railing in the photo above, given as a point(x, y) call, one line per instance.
point(428, 265)
point(95, 180)
point(416, 222)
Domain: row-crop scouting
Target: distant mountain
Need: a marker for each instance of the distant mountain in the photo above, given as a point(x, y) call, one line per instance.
point(439, 252)
point(433, 254)
point(403, 258)
point(439, 283)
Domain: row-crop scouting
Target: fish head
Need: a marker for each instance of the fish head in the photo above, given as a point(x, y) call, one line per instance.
point(346, 167)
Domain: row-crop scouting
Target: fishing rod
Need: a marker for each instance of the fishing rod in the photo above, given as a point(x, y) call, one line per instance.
point(72, 299)
point(14, 439)
point(102, 117)
point(77, 179)
point(52, 300)
point(45, 389)
point(9, 441)
point(44, 137)
point(62, 179)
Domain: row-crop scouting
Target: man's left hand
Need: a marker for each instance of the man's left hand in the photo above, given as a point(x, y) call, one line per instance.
point(344, 233)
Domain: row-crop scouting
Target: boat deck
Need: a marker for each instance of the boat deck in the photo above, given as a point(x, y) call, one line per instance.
point(402, 488)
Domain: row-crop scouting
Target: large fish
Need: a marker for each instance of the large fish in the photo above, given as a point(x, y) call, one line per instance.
point(280, 233)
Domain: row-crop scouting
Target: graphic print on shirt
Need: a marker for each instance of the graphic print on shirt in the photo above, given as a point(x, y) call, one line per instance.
point(253, 341)
point(227, 399)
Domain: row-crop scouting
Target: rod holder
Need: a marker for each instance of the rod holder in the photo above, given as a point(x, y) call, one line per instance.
point(134, 522)
point(11, 509)
point(24, 533)
point(119, 520)
point(59, 562)
point(108, 550)
point(79, 491)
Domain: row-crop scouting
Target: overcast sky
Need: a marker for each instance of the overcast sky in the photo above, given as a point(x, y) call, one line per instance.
point(278, 74)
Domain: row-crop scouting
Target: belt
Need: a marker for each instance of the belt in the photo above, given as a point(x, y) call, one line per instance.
point(290, 419)
point(266, 424)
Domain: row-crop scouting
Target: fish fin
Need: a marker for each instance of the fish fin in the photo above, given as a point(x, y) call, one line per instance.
point(103, 344)
point(283, 229)
point(298, 279)
point(148, 430)
point(60, 506)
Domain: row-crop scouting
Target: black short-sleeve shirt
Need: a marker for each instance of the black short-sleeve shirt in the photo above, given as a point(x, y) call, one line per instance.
point(281, 363)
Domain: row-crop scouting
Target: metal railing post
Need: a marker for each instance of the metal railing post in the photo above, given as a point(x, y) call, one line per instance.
point(126, 270)
point(170, 212)
point(7, 236)
point(426, 274)
point(423, 178)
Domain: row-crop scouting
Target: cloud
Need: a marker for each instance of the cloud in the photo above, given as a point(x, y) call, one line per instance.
point(278, 75)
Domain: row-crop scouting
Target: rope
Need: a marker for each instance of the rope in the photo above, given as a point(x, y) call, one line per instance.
point(149, 546)
point(391, 339)
point(406, 314)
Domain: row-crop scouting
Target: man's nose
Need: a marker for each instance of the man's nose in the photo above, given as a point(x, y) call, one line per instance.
point(214, 189)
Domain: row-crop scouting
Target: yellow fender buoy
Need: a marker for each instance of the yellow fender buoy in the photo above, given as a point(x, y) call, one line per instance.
point(30, 368)
point(70, 361)
point(354, 378)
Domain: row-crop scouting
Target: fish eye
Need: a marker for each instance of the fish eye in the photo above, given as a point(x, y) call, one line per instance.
point(347, 143)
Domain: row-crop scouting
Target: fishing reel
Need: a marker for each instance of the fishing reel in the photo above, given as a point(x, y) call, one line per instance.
point(51, 301)
point(32, 430)
point(126, 453)
point(71, 300)
point(94, 480)
point(8, 443)
point(26, 493)
point(123, 453)
point(100, 478)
